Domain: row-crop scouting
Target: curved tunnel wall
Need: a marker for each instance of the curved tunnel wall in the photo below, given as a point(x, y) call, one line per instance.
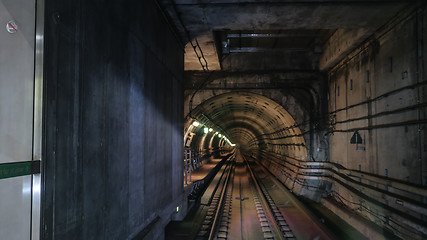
point(251, 121)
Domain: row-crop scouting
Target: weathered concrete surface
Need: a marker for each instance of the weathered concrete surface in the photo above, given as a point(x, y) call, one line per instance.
point(379, 90)
point(391, 63)
point(113, 113)
point(340, 44)
point(201, 17)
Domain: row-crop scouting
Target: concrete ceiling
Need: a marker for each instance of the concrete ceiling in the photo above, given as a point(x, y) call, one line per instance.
point(196, 21)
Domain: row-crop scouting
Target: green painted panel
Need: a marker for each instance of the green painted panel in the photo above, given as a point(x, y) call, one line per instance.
point(17, 169)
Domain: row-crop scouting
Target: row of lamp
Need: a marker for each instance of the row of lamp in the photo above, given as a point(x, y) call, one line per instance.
point(207, 130)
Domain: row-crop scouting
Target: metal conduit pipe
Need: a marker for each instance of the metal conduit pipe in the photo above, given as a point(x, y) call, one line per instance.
point(413, 107)
point(398, 124)
point(380, 195)
point(375, 197)
point(403, 109)
point(335, 170)
point(371, 178)
point(387, 94)
point(417, 106)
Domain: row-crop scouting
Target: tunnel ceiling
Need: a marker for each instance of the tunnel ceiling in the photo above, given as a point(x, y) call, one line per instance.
point(249, 120)
point(218, 28)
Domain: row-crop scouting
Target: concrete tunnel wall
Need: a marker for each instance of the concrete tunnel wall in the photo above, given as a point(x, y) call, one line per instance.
point(251, 121)
point(378, 89)
point(113, 108)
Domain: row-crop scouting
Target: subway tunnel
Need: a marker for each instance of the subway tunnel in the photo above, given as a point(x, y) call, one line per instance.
point(251, 121)
point(207, 119)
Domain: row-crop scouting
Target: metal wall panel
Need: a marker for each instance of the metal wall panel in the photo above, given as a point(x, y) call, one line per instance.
point(19, 196)
point(16, 80)
point(15, 208)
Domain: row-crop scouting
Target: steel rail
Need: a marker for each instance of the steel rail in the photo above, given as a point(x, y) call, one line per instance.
point(277, 231)
point(215, 222)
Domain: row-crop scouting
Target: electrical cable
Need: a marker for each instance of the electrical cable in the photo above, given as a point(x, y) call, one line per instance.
point(301, 182)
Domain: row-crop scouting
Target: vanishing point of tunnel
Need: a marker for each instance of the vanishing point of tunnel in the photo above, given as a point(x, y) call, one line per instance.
point(213, 119)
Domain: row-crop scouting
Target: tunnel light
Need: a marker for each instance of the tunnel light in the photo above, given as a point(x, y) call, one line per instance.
point(232, 144)
point(195, 123)
point(205, 130)
point(219, 135)
point(210, 129)
point(177, 209)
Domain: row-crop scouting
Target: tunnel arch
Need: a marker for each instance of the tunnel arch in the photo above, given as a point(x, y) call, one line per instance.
point(251, 121)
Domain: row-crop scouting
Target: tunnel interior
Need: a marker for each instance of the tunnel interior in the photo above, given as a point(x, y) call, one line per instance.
point(118, 116)
point(308, 95)
point(251, 122)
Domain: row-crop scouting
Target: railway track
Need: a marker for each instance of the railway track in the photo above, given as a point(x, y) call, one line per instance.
point(265, 205)
point(218, 212)
point(245, 201)
point(242, 208)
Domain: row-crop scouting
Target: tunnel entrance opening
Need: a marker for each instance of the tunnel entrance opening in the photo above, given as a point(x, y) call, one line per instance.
point(259, 126)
